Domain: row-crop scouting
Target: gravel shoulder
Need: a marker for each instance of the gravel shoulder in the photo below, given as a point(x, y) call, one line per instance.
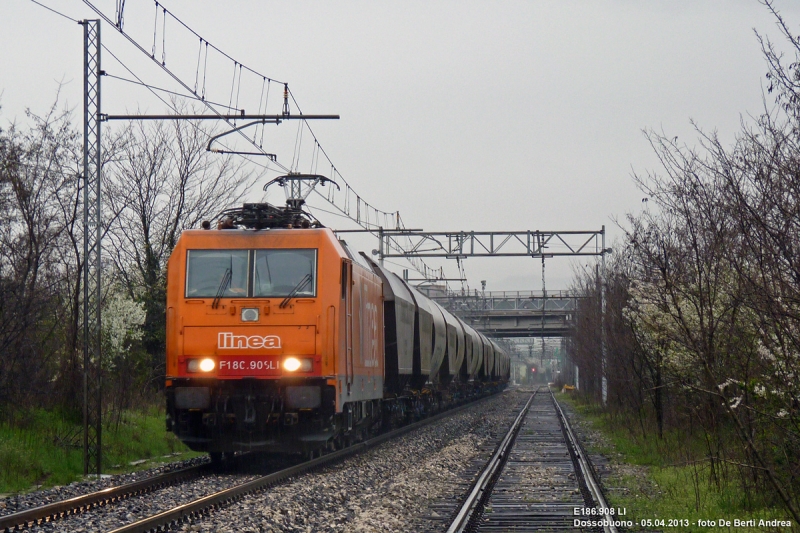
point(616, 476)
point(391, 488)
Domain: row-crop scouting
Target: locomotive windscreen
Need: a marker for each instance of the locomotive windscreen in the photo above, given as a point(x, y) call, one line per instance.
point(278, 272)
point(216, 272)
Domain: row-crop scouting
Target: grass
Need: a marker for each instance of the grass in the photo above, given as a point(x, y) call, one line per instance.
point(660, 480)
point(43, 449)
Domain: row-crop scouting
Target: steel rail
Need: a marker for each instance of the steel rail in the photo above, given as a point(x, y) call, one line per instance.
point(587, 471)
point(56, 510)
point(482, 485)
point(223, 498)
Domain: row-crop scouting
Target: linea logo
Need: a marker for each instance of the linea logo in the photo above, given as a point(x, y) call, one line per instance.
point(229, 341)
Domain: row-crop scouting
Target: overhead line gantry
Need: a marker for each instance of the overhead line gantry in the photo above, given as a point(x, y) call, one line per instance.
point(529, 243)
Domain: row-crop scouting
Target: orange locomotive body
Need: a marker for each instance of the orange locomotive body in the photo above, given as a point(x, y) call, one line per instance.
point(274, 340)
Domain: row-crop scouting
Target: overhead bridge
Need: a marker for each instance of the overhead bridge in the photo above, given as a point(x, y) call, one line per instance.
point(512, 314)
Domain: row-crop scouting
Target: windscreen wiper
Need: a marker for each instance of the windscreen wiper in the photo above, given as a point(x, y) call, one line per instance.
point(226, 280)
point(297, 288)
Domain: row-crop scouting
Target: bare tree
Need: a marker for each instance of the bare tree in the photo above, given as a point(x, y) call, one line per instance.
point(163, 182)
point(39, 170)
point(712, 300)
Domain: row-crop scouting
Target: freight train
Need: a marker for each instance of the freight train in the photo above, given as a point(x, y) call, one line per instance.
point(281, 338)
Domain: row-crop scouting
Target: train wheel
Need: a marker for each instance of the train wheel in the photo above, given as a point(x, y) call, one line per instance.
point(216, 460)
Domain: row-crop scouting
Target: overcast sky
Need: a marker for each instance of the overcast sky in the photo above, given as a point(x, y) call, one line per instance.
point(461, 115)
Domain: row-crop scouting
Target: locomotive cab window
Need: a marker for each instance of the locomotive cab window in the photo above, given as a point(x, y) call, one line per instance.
point(212, 273)
point(285, 272)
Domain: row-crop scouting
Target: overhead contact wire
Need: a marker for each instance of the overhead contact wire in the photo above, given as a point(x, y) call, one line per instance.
point(233, 84)
point(168, 71)
point(266, 106)
point(164, 38)
point(296, 157)
point(197, 68)
point(161, 89)
point(226, 56)
point(56, 12)
point(260, 98)
point(238, 87)
point(155, 32)
point(205, 69)
point(193, 125)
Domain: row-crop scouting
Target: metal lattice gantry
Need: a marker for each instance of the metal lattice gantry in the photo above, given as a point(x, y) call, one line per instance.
point(531, 243)
point(92, 232)
point(463, 244)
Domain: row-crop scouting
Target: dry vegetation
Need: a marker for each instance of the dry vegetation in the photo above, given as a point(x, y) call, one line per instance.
point(157, 180)
point(703, 301)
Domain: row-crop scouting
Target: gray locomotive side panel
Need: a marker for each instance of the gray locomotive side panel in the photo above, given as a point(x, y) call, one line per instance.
point(455, 344)
point(439, 338)
point(475, 357)
point(452, 344)
point(495, 355)
point(497, 371)
point(423, 338)
point(449, 370)
point(488, 357)
point(499, 362)
point(461, 349)
point(404, 311)
point(477, 354)
point(399, 313)
point(467, 347)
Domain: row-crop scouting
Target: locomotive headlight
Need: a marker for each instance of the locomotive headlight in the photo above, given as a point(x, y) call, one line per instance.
point(293, 364)
point(200, 365)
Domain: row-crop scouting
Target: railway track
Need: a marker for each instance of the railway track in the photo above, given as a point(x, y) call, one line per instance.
point(538, 479)
point(195, 509)
point(45, 516)
point(81, 504)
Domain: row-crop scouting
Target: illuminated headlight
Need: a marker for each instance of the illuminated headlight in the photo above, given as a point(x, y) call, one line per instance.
point(293, 364)
point(250, 314)
point(200, 365)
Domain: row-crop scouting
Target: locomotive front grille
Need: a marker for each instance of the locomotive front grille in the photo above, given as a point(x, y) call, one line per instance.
point(303, 397)
point(192, 397)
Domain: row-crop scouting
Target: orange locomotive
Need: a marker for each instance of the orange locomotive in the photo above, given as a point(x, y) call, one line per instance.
point(275, 341)
point(263, 345)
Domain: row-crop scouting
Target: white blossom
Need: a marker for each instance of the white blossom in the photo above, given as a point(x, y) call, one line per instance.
point(728, 381)
point(122, 320)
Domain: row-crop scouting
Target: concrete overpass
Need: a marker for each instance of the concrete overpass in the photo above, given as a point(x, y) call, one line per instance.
point(511, 314)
